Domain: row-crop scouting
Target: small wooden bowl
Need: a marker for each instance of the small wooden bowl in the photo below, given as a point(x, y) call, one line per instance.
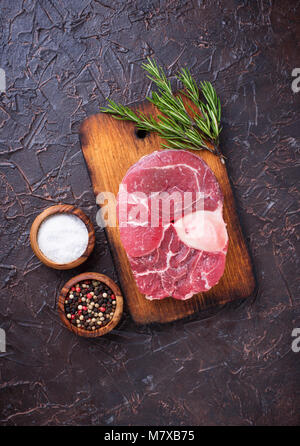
point(118, 311)
point(62, 209)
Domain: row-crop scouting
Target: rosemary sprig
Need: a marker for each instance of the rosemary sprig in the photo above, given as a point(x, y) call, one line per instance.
point(196, 130)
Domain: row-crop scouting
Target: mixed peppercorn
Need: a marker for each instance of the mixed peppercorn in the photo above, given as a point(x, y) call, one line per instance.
point(90, 305)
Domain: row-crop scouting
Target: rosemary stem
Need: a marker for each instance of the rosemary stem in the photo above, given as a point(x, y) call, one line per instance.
point(174, 124)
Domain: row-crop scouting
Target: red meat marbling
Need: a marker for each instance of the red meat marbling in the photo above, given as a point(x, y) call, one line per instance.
point(184, 251)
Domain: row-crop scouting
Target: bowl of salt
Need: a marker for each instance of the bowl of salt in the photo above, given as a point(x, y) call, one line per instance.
point(62, 236)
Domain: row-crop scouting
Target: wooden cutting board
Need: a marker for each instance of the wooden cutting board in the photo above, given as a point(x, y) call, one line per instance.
point(110, 147)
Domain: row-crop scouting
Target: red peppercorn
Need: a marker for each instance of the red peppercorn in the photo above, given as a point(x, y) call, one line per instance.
point(82, 297)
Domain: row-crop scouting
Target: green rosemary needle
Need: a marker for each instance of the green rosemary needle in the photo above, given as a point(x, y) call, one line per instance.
point(196, 130)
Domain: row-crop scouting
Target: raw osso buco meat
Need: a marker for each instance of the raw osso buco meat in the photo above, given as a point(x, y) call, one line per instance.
point(169, 209)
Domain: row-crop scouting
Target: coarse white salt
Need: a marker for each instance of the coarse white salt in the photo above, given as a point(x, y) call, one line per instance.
point(63, 238)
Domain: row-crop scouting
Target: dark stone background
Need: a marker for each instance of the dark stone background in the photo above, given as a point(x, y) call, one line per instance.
point(232, 365)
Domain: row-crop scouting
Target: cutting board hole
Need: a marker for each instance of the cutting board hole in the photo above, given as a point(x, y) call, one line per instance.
point(141, 134)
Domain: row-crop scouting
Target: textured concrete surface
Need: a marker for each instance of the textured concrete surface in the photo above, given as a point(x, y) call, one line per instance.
point(232, 365)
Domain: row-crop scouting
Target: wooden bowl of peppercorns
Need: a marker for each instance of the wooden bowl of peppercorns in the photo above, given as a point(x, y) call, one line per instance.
point(90, 304)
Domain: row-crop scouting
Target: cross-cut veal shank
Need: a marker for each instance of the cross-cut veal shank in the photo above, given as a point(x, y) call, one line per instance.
point(182, 252)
